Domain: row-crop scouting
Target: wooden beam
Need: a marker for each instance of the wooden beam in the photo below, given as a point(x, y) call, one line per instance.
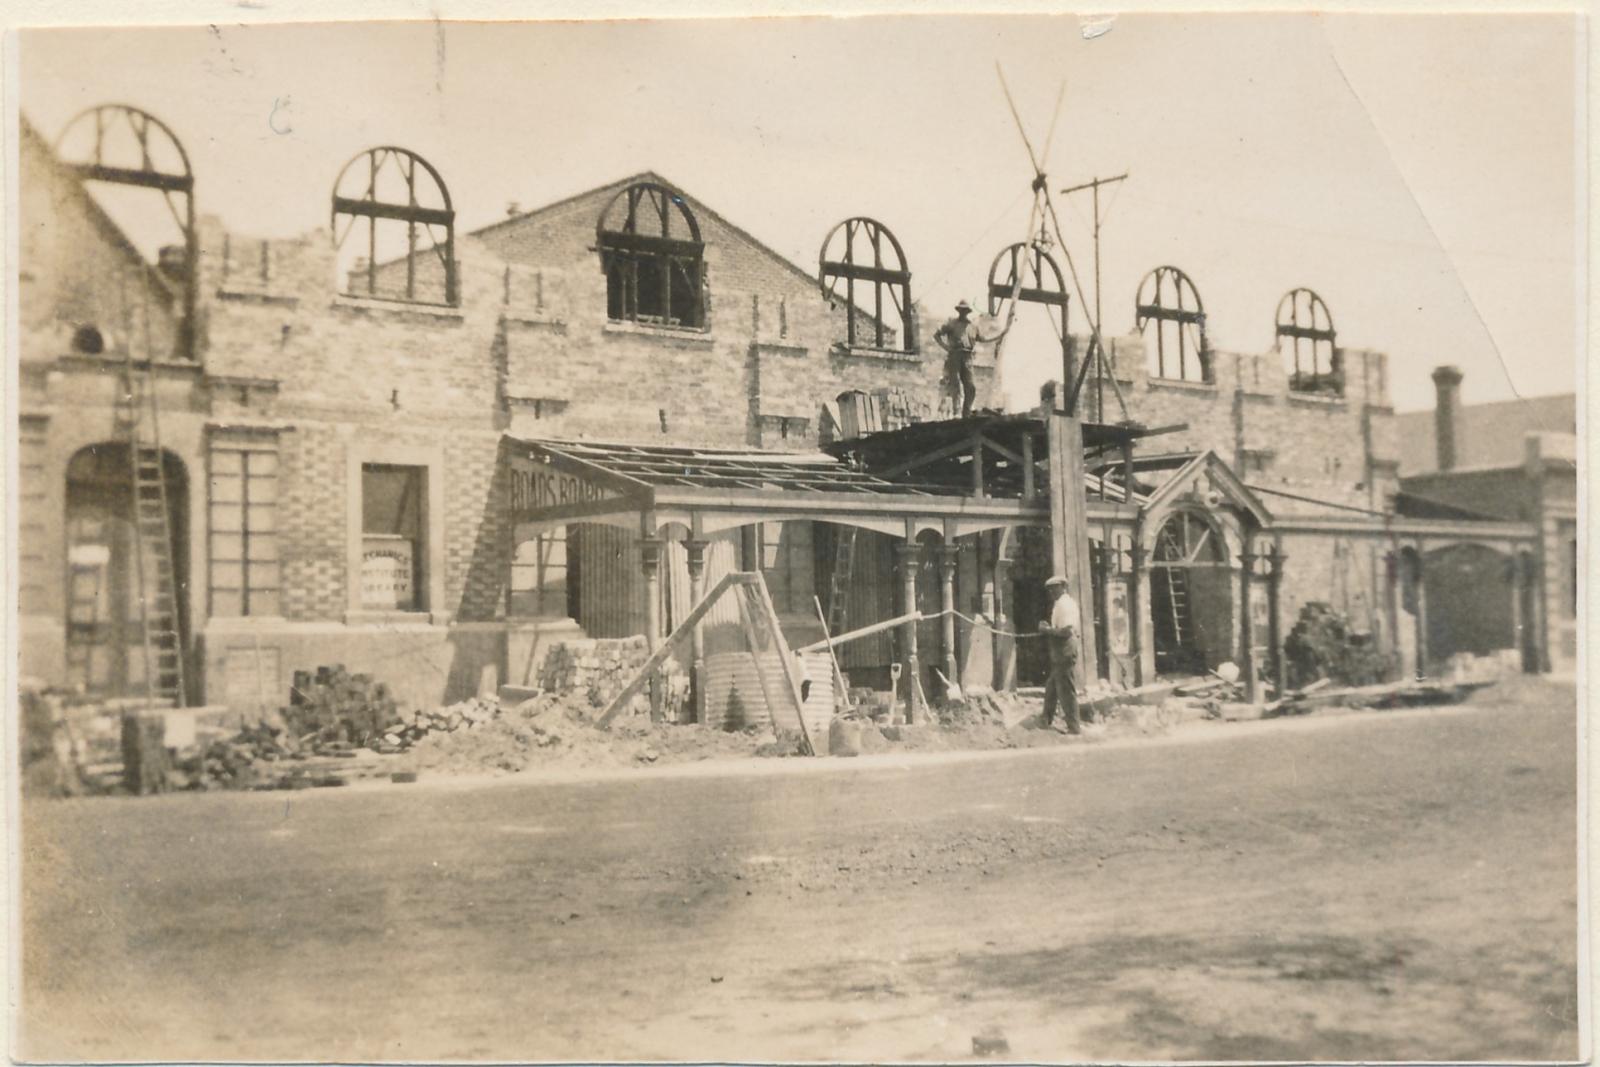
point(865, 631)
point(935, 456)
point(661, 653)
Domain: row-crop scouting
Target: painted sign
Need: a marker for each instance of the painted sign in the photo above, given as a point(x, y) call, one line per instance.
point(1120, 623)
point(537, 487)
point(387, 567)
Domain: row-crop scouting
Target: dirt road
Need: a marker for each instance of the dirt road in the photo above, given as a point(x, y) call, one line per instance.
point(1368, 886)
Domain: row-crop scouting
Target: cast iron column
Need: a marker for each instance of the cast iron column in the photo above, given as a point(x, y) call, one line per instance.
point(650, 556)
point(1420, 620)
point(696, 550)
point(1247, 636)
point(909, 558)
point(949, 557)
point(1136, 606)
point(1105, 565)
point(1280, 671)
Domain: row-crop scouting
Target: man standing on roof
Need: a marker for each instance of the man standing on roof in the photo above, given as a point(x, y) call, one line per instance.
point(958, 337)
point(1061, 635)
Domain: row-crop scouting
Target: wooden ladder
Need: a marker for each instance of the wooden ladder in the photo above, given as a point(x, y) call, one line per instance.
point(1178, 600)
point(844, 555)
point(155, 588)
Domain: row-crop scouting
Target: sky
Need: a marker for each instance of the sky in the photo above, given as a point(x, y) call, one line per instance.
point(1419, 172)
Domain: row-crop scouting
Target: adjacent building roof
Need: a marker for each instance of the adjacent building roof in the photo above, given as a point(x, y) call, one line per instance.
point(1489, 435)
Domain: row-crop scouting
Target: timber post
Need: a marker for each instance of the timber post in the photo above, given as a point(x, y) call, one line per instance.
point(650, 559)
point(1280, 663)
point(1069, 526)
point(1247, 635)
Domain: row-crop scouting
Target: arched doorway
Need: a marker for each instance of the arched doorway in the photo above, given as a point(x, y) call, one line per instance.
point(1469, 602)
point(1191, 595)
point(104, 637)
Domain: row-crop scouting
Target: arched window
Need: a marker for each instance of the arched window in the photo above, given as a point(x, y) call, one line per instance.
point(1169, 299)
point(120, 145)
point(654, 259)
point(1311, 354)
point(1187, 539)
point(395, 200)
point(1026, 272)
point(862, 252)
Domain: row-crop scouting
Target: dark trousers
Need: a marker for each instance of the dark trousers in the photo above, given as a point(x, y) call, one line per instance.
point(958, 372)
point(1061, 690)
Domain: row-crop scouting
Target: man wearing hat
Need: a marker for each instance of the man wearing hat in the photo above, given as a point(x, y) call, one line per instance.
point(1061, 635)
point(958, 337)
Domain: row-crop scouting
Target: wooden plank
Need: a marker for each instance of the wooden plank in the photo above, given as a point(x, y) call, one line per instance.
point(1069, 528)
point(698, 612)
point(788, 663)
point(865, 631)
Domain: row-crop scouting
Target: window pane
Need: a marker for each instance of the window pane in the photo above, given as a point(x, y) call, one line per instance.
point(263, 490)
point(224, 461)
point(226, 575)
point(263, 575)
point(264, 602)
point(263, 547)
point(263, 463)
point(391, 500)
point(226, 602)
point(227, 546)
point(226, 488)
point(263, 519)
point(227, 517)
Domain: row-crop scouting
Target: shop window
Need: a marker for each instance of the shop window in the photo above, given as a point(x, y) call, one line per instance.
point(787, 561)
point(539, 576)
point(653, 258)
point(1179, 351)
point(243, 545)
point(393, 542)
point(1306, 338)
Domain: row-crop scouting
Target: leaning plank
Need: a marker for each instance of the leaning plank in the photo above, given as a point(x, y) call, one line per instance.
point(788, 664)
point(680, 631)
point(865, 631)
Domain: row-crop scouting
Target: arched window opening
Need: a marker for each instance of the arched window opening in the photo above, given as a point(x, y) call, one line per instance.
point(654, 258)
point(118, 145)
point(1186, 538)
point(399, 207)
point(1169, 299)
point(862, 252)
point(1026, 273)
point(1312, 357)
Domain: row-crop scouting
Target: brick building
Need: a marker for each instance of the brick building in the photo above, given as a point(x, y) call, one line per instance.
point(428, 454)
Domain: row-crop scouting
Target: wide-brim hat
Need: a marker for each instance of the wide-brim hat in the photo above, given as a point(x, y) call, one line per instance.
point(963, 306)
point(1054, 580)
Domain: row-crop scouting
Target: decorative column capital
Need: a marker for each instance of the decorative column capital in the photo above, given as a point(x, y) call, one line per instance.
point(696, 550)
point(650, 550)
point(949, 557)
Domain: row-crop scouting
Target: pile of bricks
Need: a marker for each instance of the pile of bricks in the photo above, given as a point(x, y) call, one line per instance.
point(467, 714)
point(333, 705)
point(597, 670)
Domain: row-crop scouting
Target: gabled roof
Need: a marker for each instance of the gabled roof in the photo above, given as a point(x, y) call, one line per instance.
point(1211, 465)
point(699, 207)
point(1488, 435)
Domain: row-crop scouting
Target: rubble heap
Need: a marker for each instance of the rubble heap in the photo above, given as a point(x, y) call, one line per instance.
point(595, 670)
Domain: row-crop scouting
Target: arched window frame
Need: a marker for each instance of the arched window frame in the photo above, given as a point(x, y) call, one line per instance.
point(102, 164)
point(412, 214)
point(1209, 548)
point(1312, 359)
point(850, 241)
point(1168, 297)
point(656, 279)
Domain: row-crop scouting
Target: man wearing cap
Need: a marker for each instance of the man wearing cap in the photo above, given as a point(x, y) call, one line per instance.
point(958, 337)
point(1061, 635)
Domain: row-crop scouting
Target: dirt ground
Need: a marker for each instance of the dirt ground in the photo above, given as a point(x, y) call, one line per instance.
point(1363, 885)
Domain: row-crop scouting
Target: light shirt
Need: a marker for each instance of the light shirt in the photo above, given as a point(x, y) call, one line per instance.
point(958, 338)
point(1065, 612)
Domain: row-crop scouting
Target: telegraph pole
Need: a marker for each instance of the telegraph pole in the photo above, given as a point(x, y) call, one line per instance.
point(1093, 185)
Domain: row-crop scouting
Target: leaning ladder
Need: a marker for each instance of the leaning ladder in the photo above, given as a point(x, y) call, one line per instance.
point(844, 554)
point(155, 575)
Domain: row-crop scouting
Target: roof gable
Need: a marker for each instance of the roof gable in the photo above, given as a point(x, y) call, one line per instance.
point(1206, 474)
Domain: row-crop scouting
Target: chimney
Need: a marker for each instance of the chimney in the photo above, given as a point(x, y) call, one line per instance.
point(1446, 413)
